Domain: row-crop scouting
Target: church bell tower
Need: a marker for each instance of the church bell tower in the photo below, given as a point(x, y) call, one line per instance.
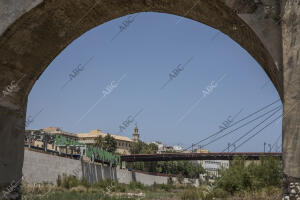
point(136, 135)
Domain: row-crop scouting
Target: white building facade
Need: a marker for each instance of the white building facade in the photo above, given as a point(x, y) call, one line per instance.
point(213, 167)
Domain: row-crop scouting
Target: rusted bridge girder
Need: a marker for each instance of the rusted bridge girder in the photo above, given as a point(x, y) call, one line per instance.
point(196, 156)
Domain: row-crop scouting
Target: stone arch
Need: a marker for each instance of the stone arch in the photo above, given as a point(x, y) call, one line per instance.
point(30, 43)
point(39, 30)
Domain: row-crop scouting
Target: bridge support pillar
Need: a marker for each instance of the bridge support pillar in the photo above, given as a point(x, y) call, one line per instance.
point(12, 125)
point(123, 165)
point(291, 97)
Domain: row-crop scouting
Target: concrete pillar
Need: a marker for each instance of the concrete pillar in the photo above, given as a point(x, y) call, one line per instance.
point(12, 125)
point(291, 85)
point(123, 165)
point(110, 171)
point(29, 141)
point(45, 146)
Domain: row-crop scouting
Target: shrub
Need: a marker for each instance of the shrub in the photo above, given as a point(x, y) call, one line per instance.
point(239, 177)
point(165, 187)
point(170, 180)
point(79, 189)
point(220, 193)
point(180, 178)
point(136, 185)
point(104, 183)
point(69, 182)
point(94, 190)
point(84, 182)
point(190, 194)
point(121, 188)
point(58, 181)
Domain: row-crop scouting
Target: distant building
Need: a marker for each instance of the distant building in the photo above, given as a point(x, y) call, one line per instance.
point(52, 130)
point(45, 139)
point(177, 148)
point(164, 149)
point(212, 167)
point(161, 147)
point(123, 143)
point(57, 130)
point(199, 150)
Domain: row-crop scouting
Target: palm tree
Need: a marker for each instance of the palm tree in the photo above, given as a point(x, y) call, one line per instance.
point(46, 140)
point(110, 143)
point(99, 142)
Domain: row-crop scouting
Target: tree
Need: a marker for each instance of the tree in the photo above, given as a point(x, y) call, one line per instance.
point(99, 142)
point(267, 172)
point(143, 148)
point(153, 148)
point(110, 143)
point(138, 148)
point(184, 168)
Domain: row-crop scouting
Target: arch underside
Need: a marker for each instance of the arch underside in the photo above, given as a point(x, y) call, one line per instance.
point(30, 44)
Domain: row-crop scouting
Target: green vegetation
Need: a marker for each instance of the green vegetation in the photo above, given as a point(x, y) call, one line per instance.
point(68, 182)
point(99, 142)
point(70, 188)
point(102, 155)
point(108, 143)
point(240, 177)
point(255, 181)
point(186, 169)
point(143, 148)
point(62, 140)
point(269, 193)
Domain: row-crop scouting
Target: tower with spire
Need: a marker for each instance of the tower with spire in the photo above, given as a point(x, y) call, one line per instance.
point(136, 135)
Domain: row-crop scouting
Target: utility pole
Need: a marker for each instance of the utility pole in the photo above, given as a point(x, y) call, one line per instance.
point(265, 147)
point(234, 147)
point(200, 149)
point(277, 148)
point(270, 146)
point(228, 146)
point(192, 147)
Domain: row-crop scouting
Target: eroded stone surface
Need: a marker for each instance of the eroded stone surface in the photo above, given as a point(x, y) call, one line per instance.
point(291, 75)
point(36, 38)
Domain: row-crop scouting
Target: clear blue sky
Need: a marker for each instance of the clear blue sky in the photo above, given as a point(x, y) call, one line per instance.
point(142, 56)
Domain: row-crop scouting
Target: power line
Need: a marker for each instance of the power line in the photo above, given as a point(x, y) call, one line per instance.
point(232, 124)
point(259, 131)
point(237, 123)
point(280, 135)
point(242, 126)
point(247, 133)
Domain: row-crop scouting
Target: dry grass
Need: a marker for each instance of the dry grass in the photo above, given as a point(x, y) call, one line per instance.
point(265, 194)
point(39, 188)
point(79, 189)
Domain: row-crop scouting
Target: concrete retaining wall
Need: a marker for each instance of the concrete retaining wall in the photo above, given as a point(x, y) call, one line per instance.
point(41, 167)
